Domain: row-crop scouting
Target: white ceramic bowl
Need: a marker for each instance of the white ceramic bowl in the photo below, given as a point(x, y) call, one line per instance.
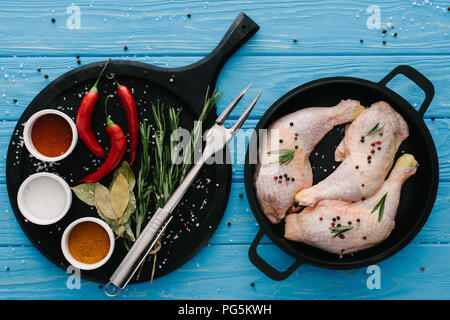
point(32, 189)
point(29, 127)
point(65, 244)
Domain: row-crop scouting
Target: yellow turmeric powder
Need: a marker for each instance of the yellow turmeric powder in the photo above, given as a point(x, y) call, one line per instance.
point(88, 242)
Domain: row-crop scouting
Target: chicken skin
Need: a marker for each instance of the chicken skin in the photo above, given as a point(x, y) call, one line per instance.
point(367, 153)
point(344, 227)
point(283, 165)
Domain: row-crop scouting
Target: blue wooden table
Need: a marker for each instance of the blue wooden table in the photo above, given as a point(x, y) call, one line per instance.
point(331, 38)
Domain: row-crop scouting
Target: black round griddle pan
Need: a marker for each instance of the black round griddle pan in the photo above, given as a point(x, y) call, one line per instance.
point(198, 214)
point(418, 193)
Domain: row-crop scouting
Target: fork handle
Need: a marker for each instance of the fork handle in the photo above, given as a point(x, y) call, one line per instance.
point(151, 233)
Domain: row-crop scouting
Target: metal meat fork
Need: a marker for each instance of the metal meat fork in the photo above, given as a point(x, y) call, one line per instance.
point(216, 139)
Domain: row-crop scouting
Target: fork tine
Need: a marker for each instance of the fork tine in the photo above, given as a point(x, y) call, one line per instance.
point(221, 119)
point(238, 124)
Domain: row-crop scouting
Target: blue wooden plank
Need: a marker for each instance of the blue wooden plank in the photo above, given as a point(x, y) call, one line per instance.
point(224, 272)
point(161, 27)
point(20, 80)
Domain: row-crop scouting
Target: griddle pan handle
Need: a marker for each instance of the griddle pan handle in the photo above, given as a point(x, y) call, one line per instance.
point(266, 268)
point(242, 29)
point(418, 79)
point(201, 75)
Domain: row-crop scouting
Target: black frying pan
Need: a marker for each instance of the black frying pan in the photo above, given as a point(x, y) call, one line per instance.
point(193, 227)
point(418, 193)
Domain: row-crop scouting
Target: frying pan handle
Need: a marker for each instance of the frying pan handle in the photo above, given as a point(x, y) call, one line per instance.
point(266, 268)
point(418, 79)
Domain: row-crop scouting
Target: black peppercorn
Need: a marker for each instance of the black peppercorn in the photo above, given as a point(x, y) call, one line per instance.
point(188, 15)
point(357, 220)
point(281, 140)
point(53, 20)
point(291, 124)
point(46, 76)
point(15, 100)
point(240, 195)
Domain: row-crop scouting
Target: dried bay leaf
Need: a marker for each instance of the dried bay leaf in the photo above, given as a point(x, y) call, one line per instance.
point(102, 198)
point(120, 195)
point(125, 169)
point(131, 207)
point(85, 192)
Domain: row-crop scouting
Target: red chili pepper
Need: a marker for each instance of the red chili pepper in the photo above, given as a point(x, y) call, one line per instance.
point(117, 151)
point(129, 105)
point(84, 116)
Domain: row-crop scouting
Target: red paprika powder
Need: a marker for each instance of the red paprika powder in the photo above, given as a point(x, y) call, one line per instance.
point(51, 135)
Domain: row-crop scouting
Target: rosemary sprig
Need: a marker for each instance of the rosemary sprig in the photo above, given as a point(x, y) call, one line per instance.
point(144, 188)
point(340, 230)
point(284, 155)
point(380, 207)
point(195, 143)
point(376, 128)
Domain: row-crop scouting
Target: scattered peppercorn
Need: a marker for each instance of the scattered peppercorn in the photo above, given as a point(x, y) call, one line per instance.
point(78, 56)
point(432, 118)
point(100, 286)
point(293, 179)
point(341, 236)
point(241, 195)
point(252, 284)
point(279, 181)
point(361, 40)
point(6, 268)
point(364, 238)
point(296, 147)
point(285, 175)
point(338, 218)
point(349, 222)
point(229, 223)
point(281, 140)
point(395, 34)
point(384, 31)
point(275, 178)
point(384, 41)
point(295, 39)
point(422, 269)
point(288, 179)
point(53, 20)
point(334, 219)
point(338, 224)
point(379, 148)
point(320, 218)
point(372, 151)
point(358, 220)
point(188, 15)
point(291, 124)
point(46, 76)
point(363, 198)
point(281, 177)
point(38, 69)
point(373, 144)
point(296, 204)
point(363, 185)
point(15, 100)
point(296, 134)
point(78, 61)
point(356, 167)
point(125, 48)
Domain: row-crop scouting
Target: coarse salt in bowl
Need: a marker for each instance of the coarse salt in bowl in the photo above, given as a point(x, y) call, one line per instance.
point(28, 130)
point(44, 198)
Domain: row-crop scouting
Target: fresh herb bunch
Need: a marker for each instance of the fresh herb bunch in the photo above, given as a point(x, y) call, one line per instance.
point(167, 174)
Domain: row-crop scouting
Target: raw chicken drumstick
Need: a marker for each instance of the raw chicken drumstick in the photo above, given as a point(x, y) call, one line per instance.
point(344, 227)
point(368, 151)
point(283, 166)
